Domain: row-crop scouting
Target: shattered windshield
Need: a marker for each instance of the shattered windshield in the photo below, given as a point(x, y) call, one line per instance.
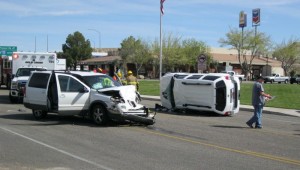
point(100, 81)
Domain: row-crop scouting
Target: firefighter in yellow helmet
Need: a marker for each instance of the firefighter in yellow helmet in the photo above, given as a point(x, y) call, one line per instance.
point(132, 80)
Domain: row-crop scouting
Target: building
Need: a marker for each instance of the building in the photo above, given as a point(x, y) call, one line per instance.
point(227, 59)
point(261, 65)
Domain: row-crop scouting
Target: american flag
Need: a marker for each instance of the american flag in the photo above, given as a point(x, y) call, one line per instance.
point(162, 6)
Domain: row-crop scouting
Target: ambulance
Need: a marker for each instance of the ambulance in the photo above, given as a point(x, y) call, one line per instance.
point(25, 62)
point(214, 92)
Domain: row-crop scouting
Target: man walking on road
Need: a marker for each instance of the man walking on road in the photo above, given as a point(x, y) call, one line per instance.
point(258, 101)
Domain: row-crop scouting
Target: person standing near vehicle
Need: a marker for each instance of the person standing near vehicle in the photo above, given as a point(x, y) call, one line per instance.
point(258, 101)
point(132, 80)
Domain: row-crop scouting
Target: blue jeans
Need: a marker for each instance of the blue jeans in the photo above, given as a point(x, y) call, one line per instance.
point(256, 118)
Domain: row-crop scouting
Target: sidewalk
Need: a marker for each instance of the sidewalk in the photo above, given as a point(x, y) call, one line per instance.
point(272, 110)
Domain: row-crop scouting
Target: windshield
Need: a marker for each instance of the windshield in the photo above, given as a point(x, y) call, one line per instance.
point(100, 81)
point(27, 71)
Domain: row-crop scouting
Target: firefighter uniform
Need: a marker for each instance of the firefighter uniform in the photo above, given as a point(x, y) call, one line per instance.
point(132, 80)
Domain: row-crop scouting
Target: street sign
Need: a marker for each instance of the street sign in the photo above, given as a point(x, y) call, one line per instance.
point(256, 17)
point(202, 62)
point(7, 50)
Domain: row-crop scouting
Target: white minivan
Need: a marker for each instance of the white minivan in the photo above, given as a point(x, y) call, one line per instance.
point(216, 92)
point(84, 93)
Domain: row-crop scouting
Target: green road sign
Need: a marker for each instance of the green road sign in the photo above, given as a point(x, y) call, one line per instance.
point(7, 50)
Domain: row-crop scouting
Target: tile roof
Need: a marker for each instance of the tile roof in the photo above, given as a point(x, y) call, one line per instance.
point(106, 59)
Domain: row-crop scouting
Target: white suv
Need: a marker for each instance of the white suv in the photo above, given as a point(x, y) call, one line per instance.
point(84, 93)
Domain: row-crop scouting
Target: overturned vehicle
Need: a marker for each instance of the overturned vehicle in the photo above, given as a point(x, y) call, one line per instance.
point(95, 95)
point(215, 92)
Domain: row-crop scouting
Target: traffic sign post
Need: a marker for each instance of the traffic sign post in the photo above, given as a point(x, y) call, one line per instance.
point(7, 50)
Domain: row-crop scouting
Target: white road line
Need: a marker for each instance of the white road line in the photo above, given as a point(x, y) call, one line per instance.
point(58, 150)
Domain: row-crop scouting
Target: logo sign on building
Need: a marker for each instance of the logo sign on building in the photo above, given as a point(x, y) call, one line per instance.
point(7, 50)
point(243, 19)
point(202, 62)
point(256, 17)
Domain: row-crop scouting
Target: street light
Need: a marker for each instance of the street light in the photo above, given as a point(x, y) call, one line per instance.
point(99, 37)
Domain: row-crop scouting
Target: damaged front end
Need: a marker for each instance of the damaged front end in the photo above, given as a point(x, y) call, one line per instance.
point(125, 105)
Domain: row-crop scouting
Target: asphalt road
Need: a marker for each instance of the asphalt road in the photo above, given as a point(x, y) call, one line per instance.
point(177, 141)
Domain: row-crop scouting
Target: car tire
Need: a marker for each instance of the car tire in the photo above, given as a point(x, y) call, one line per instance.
point(39, 114)
point(13, 99)
point(99, 115)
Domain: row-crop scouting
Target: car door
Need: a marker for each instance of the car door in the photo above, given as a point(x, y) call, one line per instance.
point(73, 95)
point(36, 90)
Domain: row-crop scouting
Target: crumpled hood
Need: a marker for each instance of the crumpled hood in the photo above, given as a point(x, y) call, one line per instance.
point(126, 92)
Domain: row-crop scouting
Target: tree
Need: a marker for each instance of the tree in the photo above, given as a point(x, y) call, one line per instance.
point(248, 40)
point(287, 53)
point(178, 54)
point(135, 51)
point(191, 49)
point(76, 49)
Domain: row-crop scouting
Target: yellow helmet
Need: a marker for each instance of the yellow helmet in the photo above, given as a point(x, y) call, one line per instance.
point(129, 72)
point(119, 74)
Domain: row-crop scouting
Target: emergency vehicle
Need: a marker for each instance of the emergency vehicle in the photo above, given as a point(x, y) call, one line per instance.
point(5, 71)
point(25, 62)
point(215, 92)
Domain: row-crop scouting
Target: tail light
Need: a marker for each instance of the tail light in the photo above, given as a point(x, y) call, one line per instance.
point(24, 91)
point(227, 77)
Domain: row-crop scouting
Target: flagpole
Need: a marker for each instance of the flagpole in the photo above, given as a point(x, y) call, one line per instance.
point(160, 52)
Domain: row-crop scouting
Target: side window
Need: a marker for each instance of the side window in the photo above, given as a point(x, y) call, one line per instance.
point(63, 82)
point(74, 85)
point(39, 80)
point(69, 84)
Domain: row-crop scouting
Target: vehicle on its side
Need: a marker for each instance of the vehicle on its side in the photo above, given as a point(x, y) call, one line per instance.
point(215, 92)
point(295, 79)
point(276, 78)
point(233, 73)
point(25, 62)
point(95, 95)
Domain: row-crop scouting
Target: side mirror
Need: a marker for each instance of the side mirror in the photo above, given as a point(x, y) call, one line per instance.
point(84, 90)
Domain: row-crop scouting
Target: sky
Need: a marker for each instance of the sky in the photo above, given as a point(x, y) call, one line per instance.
point(43, 25)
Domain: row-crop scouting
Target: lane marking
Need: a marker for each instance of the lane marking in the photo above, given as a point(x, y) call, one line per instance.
point(56, 149)
point(256, 154)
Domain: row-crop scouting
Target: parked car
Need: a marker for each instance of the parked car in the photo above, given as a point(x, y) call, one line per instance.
point(95, 95)
point(276, 78)
point(295, 79)
point(233, 73)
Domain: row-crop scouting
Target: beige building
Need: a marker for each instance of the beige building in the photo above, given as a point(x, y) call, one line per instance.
point(262, 65)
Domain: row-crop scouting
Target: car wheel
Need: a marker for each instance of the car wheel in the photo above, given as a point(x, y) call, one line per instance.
point(13, 99)
point(39, 114)
point(99, 115)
